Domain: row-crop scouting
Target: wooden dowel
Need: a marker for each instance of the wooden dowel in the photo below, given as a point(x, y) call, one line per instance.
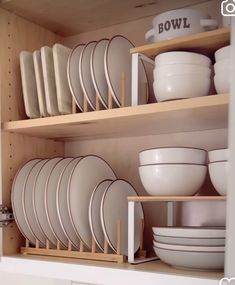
point(123, 89)
point(74, 107)
point(58, 245)
point(69, 246)
point(47, 244)
point(93, 246)
point(37, 243)
point(97, 102)
point(119, 237)
point(106, 246)
point(26, 243)
point(85, 104)
point(110, 100)
point(81, 248)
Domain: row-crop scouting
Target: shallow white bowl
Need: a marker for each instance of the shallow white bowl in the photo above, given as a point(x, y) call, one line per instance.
point(179, 69)
point(172, 179)
point(189, 241)
point(218, 174)
point(218, 155)
point(181, 86)
point(174, 57)
point(190, 232)
point(221, 81)
point(191, 260)
point(222, 53)
point(223, 65)
point(173, 155)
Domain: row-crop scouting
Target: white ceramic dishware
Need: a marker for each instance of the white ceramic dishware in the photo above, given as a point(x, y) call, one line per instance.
point(87, 173)
point(218, 174)
point(223, 65)
point(173, 155)
point(182, 57)
point(172, 179)
point(114, 208)
point(49, 81)
point(222, 53)
point(85, 74)
point(29, 85)
point(118, 66)
point(17, 200)
point(39, 199)
point(73, 76)
point(62, 203)
point(179, 22)
point(218, 155)
point(28, 206)
point(64, 97)
point(222, 82)
point(94, 213)
point(40, 83)
point(98, 72)
point(171, 87)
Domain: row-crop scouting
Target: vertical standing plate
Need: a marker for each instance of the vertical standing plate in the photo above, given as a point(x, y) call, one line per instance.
point(29, 85)
point(73, 76)
point(64, 97)
point(88, 172)
point(40, 83)
point(49, 81)
point(117, 62)
point(85, 74)
point(17, 200)
point(114, 207)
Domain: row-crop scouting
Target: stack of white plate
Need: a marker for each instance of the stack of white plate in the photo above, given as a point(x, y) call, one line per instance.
point(173, 171)
point(222, 69)
point(176, 72)
point(191, 247)
point(218, 167)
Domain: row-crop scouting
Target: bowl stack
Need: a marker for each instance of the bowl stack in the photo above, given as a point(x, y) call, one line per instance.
point(222, 70)
point(173, 171)
point(177, 72)
point(218, 167)
point(191, 247)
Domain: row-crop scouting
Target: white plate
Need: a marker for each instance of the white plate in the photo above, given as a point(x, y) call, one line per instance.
point(64, 97)
point(28, 202)
point(85, 74)
point(17, 200)
point(40, 83)
point(88, 172)
point(94, 212)
point(29, 85)
point(97, 71)
point(50, 201)
point(49, 81)
point(114, 207)
point(39, 198)
point(117, 60)
point(62, 204)
point(73, 76)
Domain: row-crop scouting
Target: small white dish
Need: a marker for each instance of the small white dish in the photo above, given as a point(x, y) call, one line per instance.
point(222, 53)
point(223, 65)
point(218, 155)
point(218, 174)
point(222, 82)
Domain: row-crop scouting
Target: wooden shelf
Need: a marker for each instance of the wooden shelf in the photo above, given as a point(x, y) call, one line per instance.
point(194, 114)
point(206, 43)
point(176, 198)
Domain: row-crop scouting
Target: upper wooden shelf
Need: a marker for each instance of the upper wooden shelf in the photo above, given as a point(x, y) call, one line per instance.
point(175, 198)
point(194, 114)
point(205, 43)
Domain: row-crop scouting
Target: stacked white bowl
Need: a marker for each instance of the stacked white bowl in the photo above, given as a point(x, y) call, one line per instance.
point(222, 70)
point(190, 247)
point(172, 171)
point(179, 75)
point(218, 167)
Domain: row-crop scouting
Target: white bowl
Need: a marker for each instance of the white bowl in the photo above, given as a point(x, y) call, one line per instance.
point(222, 53)
point(189, 241)
point(190, 232)
point(179, 69)
point(218, 155)
point(181, 86)
point(191, 260)
point(218, 174)
point(182, 57)
point(223, 65)
point(173, 155)
point(172, 179)
point(221, 81)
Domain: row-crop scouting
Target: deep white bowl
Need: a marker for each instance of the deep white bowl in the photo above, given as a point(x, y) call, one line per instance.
point(181, 86)
point(218, 175)
point(221, 81)
point(182, 57)
point(179, 69)
point(218, 155)
point(222, 53)
point(172, 179)
point(223, 65)
point(173, 155)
